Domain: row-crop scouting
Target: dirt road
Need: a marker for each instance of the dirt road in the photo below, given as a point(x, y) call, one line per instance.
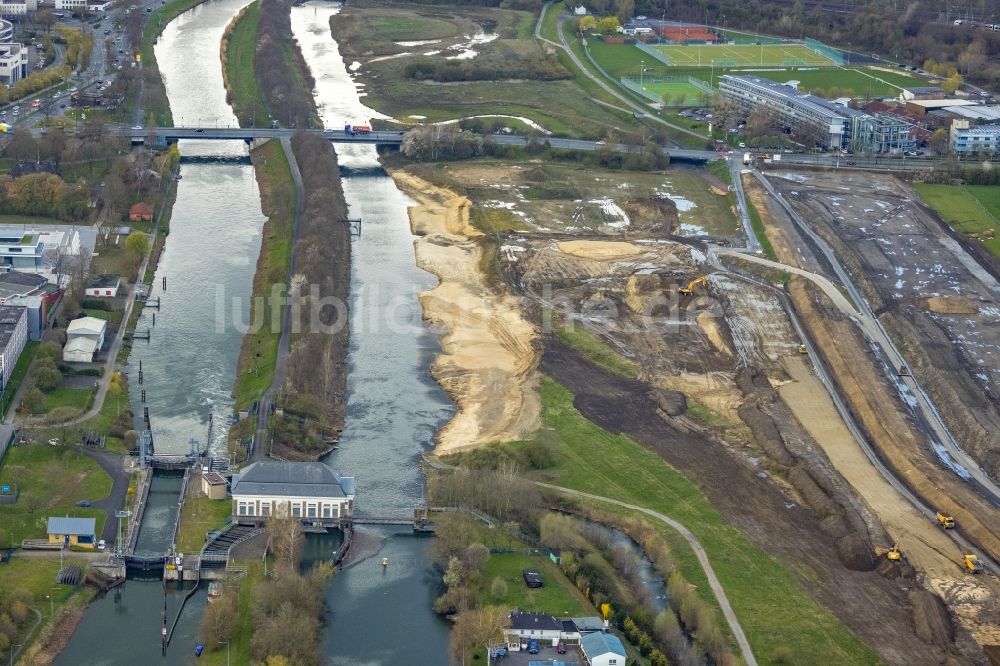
point(490, 352)
point(927, 547)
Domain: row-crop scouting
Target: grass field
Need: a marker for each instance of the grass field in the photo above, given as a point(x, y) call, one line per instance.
point(773, 607)
point(37, 576)
point(199, 516)
point(556, 596)
point(675, 93)
point(74, 398)
point(51, 479)
point(403, 28)
point(260, 347)
point(596, 350)
point(241, 77)
point(741, 55)
point(862, 81)
point(969, 210)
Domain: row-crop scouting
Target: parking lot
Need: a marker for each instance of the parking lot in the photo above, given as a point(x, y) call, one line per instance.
point(546, 655)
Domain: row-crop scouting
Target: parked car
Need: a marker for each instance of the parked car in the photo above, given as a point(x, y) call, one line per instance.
point(561, 648)
point(533, 646)
point(83, 503)
point(102, 544)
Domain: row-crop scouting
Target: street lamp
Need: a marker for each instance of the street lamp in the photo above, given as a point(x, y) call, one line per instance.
point(227, 651)
point(642, 68)
point(12, 648)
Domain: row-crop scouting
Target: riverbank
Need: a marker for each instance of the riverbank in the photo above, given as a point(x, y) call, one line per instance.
point(238, 52)
point(490, 351)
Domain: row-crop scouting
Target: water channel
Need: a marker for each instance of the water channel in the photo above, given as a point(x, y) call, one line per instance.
point(378, 615)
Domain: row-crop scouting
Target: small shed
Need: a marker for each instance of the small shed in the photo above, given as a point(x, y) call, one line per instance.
point(601, 649)
point(72, 531)
point(214, 485)
point(532, 578)
point(79, 350)
point(103, 286)
point(140, 212)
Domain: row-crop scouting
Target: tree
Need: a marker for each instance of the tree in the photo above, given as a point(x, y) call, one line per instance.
point(32, 400)
point(475, 557)
point(285, 536)
point(219, 620)
point(47, 375)
point(136, 247)
point(47, 18)
point(952, 83)
point(972, 58)
point(475, 628)
point(939, 141)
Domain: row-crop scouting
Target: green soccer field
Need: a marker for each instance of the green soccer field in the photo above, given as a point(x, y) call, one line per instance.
point(740, 55)
point(676, 94)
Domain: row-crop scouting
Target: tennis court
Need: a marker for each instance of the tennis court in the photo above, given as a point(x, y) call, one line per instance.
point(741, 55)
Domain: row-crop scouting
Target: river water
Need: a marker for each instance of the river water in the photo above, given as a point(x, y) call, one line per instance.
point(379, 615)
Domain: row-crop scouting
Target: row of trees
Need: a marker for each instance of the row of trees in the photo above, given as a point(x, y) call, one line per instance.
point(45, 195)
point(496, 68)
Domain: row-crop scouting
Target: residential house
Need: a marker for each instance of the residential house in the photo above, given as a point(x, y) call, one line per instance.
point(311, 491)
point(72, 531)
point(602, 649)
point(214, 485)
point(140, 212)
point(13, 335)
point(103, 286)
point(526, 626)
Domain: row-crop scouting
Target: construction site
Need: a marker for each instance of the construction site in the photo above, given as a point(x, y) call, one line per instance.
point(837, 404)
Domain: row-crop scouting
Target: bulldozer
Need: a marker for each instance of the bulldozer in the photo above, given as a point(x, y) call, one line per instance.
point(689, 289)
point(971, 563)
point(803, 350)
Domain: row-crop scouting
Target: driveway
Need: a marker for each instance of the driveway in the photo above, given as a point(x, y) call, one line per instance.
point(112, 464)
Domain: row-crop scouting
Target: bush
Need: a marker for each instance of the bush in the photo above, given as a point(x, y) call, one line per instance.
point(47, 375)
point(94, 304)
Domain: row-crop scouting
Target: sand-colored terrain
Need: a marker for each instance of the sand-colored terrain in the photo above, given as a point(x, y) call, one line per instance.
point(490, 353)
point(927, 547)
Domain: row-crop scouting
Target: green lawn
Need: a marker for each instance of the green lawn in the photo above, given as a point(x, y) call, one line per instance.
point(38, 577)
point(113, 317)
point(199, 516)
point(260, 348)
point(556, 596)
point(773, 607)
point(864, 82)
point(51, 480)
point(591, 346)
point(758, 231)
point(67, 397)
point(239, 647)
point(240, 73)
point(969, 210)
point(17, 376)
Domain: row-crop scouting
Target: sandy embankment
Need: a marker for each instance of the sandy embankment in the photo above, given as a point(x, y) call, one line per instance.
point(489, 358)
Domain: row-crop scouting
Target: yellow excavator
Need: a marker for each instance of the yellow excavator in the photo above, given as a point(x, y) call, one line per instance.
point(689, 289)
point(894, 554)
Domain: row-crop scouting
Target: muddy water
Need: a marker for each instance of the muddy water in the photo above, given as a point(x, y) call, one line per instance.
point(380, 615)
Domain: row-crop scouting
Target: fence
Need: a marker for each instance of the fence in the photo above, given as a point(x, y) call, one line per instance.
point(824, 50)
point(638, 86)
point(655, 53)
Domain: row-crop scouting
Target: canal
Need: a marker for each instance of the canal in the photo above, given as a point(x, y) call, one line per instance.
point(379, 615)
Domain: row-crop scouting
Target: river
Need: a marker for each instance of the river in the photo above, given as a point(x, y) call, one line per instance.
point(379, 615)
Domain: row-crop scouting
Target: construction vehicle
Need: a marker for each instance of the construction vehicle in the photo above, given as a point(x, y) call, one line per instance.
point(894, 554)
point(904, 371)
point(945, 520)
point(5, 128)
point(703, 281)
point(803, 350)
point(971, 563)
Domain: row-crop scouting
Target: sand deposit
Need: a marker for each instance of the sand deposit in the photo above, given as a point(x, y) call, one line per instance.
point(489, 358)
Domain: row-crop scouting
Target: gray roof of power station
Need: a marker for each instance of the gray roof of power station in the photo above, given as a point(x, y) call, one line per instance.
point(80, 526)
point(292, 479)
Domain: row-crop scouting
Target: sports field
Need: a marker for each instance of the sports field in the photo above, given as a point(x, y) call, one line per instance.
point(675, 94)
point(741, 55)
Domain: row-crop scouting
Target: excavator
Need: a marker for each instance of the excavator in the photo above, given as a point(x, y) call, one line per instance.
point(689, 289)
point(893, 554)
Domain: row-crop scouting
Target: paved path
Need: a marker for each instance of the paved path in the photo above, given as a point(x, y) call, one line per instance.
point(115, 501)
point(284, 342)
point(692, 540)
point(633, 106)
point(699, 551)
